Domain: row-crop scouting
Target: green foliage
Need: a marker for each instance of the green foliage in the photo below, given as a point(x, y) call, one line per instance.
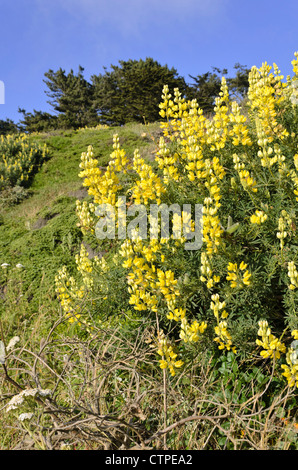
point(128, 92)
point(107, 385)
point(131, 91)
point(206, 86)
point(71, 96)
point(8, 127)
point(38, 225)
point(38, 121)
point(20, 159)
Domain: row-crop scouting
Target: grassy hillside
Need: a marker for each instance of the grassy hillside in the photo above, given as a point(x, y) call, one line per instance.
point(38, 226)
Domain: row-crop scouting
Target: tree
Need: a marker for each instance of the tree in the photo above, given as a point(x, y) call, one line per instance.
point(8, 127)
point(239, 84)
point(206, 86)
point(38, 121)
point(131, 91)
point(71, 96)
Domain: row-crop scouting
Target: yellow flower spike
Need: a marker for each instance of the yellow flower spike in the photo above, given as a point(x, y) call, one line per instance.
point(166, 350)
point(223, 337)
point(234, 276)
point(272, 346)
point(190, 333)
point(293, 275)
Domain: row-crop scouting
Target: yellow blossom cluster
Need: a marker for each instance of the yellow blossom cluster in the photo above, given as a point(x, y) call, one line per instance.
point(223, 337)
point(268, 155)
point(258, 217)
point(19, 157)
point(247, 181)
point(167, 162)
point(190, 333)
point(235, 276)
point(207, 275)
point(294, 94)
point(147, 283)
point(149, 186)
point(142, 275)
point(104, 185)
point(294, 176)
point(71, 293)
point(169, 356)
point(68, 294)
point(295, 64)
point(84, 266)
point(291, 366)
point(265, 94)
point(239, 131)
point(85, 212)
point(272, 346)
point(293, 275)
point(284, 221)
point(216, 306)
point(217, 129)
point(172, 109)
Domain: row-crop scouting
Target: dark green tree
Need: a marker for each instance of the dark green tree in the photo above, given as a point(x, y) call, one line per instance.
point(38, 121)
point(131, 91)
point(71, 97)
point(8, 127)
point(206, 86)
point(239, 84)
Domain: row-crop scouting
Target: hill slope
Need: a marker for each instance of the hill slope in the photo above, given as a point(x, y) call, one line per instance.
point(40, 232)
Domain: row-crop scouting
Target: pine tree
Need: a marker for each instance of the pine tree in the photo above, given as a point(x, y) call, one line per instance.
point(38, 121)
point(131, 91)
point(8, 127)
point(206, 86)
point(72, 97)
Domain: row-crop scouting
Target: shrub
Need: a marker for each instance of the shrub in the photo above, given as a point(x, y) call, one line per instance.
point(219, 320)
point(20, 159)
point(242, 167)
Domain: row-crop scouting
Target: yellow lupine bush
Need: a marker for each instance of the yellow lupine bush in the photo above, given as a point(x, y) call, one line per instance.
point(19, 159)
point(241, 166)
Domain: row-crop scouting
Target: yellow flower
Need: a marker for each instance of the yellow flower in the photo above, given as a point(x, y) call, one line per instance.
point(272, 346)
point(235, 277)
point(258, 217)
point(223, 337)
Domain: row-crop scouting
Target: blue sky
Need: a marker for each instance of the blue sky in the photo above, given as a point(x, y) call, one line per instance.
point(189, 35)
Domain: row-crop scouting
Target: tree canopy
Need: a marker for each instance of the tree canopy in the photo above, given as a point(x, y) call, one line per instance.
point(128, 92)
point(206, 86)
point(131, 91)
point(72, 96)
point(7, 126)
